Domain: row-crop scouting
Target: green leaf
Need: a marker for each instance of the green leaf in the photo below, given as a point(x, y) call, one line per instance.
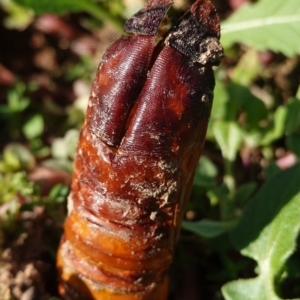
point(271, 170)
point(68, 6)
point(293, 143)
point(293, 115)
point(229, 137)
point(55, 6)
point(219, 108)
point(17, 157)
point(59, 149)
point(205, 173)
point(254, 108)
point(248, 289)
point(268, 24)
point(59, 163)
point(208, 228)
point(220, 103)
point(34, 127)
point(71, 139)
point(59, 193)
point(16, 100)
point(63, 148)
point(12, 185)
point(247, 68)
point(18, 17)
point(267, 232)
point(243, 193)
point(278, 126)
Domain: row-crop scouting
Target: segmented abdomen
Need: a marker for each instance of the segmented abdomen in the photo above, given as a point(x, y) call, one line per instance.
point(135, 161)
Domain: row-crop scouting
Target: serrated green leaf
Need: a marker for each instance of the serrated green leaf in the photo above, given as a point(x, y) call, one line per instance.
point(267, 232)
point(248, 289)
point(268, 24)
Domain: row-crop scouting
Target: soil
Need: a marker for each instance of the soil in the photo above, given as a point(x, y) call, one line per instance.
point(27, 263)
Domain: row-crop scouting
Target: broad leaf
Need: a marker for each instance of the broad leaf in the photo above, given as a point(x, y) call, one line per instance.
point(67, 6)
point(248, 289)
point(56, 6)
point(243, 193)
point(268, 24)
point(293, 143)
point(267, 232)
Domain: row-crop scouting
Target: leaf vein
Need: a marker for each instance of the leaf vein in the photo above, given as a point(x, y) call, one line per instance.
point(256, 23)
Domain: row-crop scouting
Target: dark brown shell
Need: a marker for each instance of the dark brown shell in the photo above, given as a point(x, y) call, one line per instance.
point(138, 149)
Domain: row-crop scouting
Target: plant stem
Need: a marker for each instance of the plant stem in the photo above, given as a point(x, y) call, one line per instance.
point(229, 181)
point(229, 176)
